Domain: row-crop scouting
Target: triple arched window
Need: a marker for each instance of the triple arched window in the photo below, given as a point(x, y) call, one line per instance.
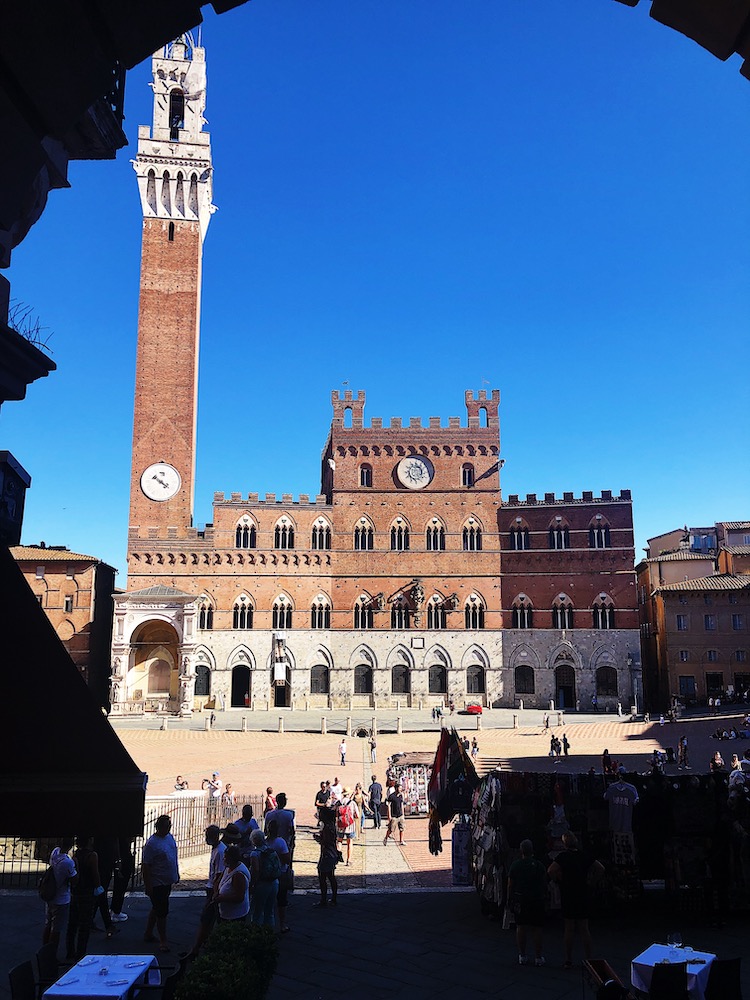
point(364, 536)
point(437, 616)
point(242, 613)
point(283, 534)
point(472, 536)
point(400, 614)
point(474, 613)
point(320, 613)
point(599, 537)
point(435, 537)
point(562, 612)
point(282, 613)
point(399, 536)
point(603, 612)
point(523, 612)
point(559, 535)
point(363, 614)
point(321, 535)
point(245, 535)
point(519, 536)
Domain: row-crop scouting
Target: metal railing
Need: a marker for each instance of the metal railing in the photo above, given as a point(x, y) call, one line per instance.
point(23, 861)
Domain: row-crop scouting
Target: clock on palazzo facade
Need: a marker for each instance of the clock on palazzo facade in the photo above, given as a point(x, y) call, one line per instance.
point(407, 579)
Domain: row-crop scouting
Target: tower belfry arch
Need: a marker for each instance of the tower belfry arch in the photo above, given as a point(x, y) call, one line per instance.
point(174, 172)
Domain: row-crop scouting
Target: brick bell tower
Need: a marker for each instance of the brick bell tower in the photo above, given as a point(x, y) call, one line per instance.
point(174, 171)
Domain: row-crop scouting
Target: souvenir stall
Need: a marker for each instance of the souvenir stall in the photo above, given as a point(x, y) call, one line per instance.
point(449, 794)
point(688, 832)
point(412, 771)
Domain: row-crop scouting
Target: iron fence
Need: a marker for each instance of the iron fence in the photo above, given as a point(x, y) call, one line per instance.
point(23, 861)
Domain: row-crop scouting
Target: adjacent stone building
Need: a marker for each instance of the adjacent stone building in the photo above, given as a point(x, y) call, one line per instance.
point(695, 610)
point(76, 593)
point(405, 580)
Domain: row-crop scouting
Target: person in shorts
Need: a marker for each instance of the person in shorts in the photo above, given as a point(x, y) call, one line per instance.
point(527, 891)
point(160, 872)
point(395, 806)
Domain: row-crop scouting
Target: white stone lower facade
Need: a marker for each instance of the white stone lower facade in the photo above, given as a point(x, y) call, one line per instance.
point(162, 661)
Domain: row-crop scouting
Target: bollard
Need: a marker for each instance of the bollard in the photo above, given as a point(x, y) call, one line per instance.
point(323, 725)
point(207, 724)
point(551, 705)
point(520, 705)
point(398, 705)
point(348, 725)
point(515, 721)
point(420, 704)
point(244, 723)
point(559, 718)
point(374, 726)
point(479, 722)
point(165, 722)
point(399, 727)
point(281, 724)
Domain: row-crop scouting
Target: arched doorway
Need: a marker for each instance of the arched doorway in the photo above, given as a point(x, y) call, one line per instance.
point(438, 679)
point(281, 686)
point(240, 697)
point(202, 681)
point(153, 677)
point(565, 685)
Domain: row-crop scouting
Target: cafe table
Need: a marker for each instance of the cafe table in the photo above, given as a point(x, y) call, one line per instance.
point(105, 977)
point(698, 965)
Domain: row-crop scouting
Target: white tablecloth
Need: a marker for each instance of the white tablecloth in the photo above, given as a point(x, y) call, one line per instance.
point(87, 981)
point(699, 963)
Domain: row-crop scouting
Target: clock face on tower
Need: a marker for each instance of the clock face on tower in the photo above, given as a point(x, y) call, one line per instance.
point(415, 472)
point(160, 481)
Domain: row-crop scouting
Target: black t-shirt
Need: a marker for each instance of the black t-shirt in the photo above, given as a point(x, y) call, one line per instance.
point(322, 797)
point(396, 803)
point(574, 889)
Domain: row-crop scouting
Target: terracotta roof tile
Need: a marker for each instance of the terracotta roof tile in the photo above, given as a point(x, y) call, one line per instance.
point(721, 581)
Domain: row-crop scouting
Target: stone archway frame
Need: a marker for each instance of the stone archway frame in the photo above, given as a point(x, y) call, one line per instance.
point(605, 655)
point(565, 652)
point(291, 667)
point(240, 656)
point(399, 655)
point(474, 655)
point(524, 654)
point(203, 656)
point(345, 679)
point(302, 680)
point(436, 655)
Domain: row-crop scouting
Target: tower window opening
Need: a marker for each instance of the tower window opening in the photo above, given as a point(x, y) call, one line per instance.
point(171, 232)
point(176, 114)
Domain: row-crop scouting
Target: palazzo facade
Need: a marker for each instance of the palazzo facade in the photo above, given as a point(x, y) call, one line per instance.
point(406, 580)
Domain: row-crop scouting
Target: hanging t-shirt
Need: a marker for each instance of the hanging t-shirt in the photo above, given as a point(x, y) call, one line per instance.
point(621, 797)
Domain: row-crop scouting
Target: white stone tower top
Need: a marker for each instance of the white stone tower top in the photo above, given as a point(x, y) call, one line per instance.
point(173, 163)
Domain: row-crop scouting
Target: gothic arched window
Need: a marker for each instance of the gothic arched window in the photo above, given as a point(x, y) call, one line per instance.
point(363, 679)
point(523, 612)
point(474, 613)
point(283, 535)
point(242, 614)
point(245, 536)
point(202, 681)
point(559, 535)
point(363, 614)
point(321, 535)
point(603, 612)
point(606, 682)
point(400, 679)
point(519, 536)
point(435, 538)
point(282, 613)
point(400, 614)
point(399, 536)
point(472, 535)
point(562, 612)
point(438, 679)
point(475, 679)
point(599, 537)
point(205, 615)
point(437, 616)
point(364, 537)
point(467, 474)
point(320, 613)
point(365, 474)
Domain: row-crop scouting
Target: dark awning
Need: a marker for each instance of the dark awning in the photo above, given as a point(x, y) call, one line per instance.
point(64, 767)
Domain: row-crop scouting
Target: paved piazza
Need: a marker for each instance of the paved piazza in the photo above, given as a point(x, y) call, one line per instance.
point(296, 762)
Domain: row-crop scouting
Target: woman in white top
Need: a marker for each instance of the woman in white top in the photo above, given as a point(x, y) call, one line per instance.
point(233, 894)
point(278, 844)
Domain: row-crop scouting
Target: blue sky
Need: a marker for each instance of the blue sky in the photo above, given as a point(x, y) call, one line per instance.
point(417, 198)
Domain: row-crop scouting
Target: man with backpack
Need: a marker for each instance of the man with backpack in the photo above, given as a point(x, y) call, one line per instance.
point(347, 819)
point(265, 869)
point(55, 891)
